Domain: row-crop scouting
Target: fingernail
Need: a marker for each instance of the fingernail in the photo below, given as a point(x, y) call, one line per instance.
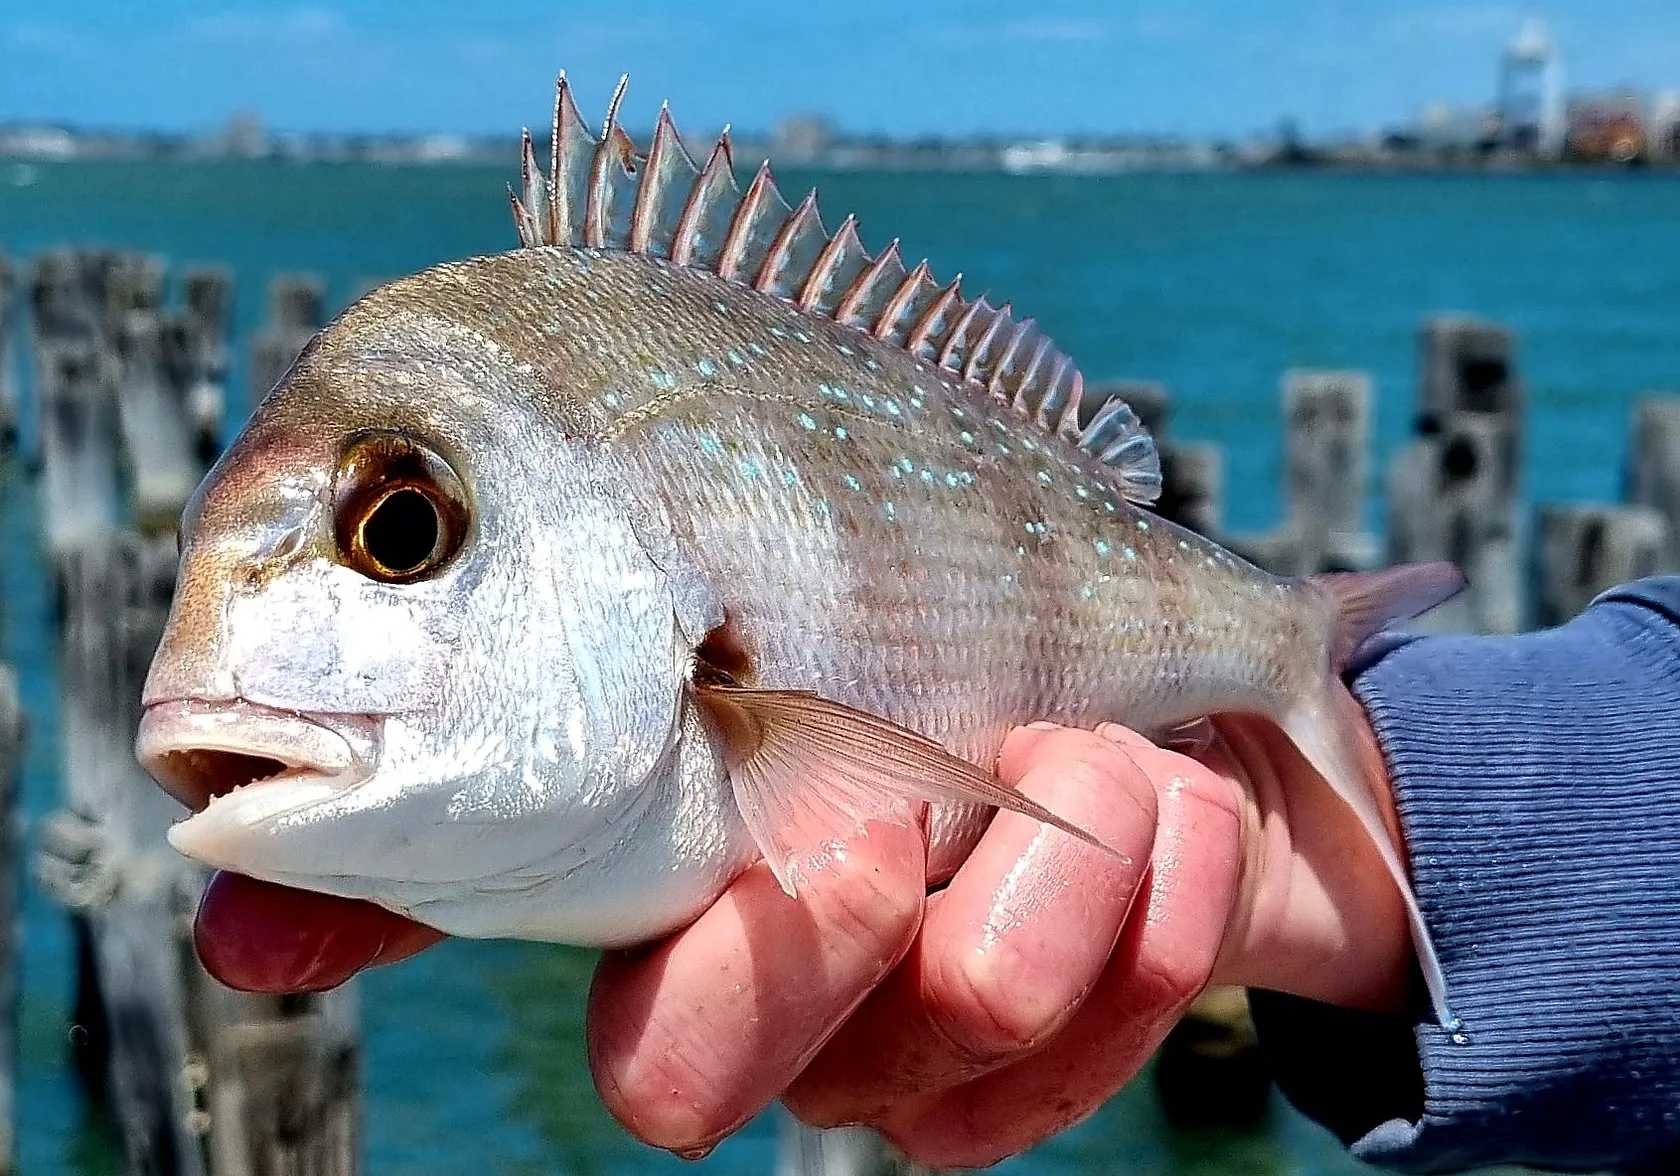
point(696, 1153)
point(1044, 725)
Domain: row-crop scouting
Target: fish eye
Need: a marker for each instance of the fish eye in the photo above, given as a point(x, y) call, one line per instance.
point(400, 511)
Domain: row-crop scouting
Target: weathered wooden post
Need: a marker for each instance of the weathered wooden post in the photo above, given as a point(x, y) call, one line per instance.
point(203, 1081)
point(296, 310)
point(1327, 444)
point(9, 414)
point(160, 457)
point(11, 771)
point(1584, 550)
point(196, 350)
point(1326, 463)
point(1455, 492)
point(1653, 470)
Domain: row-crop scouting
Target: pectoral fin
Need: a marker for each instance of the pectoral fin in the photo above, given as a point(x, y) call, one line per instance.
point(808, 773)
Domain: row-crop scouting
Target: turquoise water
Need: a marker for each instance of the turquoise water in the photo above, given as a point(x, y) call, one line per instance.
point(1212, 284)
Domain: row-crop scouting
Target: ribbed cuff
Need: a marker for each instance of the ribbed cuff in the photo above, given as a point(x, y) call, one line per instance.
point(1538, 784)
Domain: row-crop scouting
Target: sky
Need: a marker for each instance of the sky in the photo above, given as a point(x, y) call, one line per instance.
point(901, 67)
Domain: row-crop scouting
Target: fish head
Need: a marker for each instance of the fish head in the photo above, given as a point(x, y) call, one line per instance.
point(420, 651)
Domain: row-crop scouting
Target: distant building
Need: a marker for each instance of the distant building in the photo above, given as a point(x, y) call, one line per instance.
point(803, 137)
point(1665, 126)
point(1532, 116)
point(246, 137)
point(1608, 128)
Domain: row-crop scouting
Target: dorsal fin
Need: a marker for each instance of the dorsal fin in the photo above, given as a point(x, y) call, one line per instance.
point(605, 194)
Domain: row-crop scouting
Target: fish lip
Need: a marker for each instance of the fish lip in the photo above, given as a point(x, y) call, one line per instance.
point(298, 745)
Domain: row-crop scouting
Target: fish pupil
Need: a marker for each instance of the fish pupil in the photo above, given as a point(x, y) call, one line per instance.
point(402, 532)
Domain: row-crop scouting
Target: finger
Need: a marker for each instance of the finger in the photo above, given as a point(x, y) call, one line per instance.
point(1010, 948)
point(689, 1040)
point(1162, 961)
point(261, 937)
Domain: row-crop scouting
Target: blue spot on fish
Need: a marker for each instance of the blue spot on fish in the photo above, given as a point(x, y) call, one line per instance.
point(778, 332)
point(1044, 477)
point(1102, 546)
point(757, 350)
point(844, 350)
point(953, 481)
point(852, 483)
point(892, 512)
point(1087, 592)
point(723, 308)
point(610, 399)
point(663, 380)
point(710, 446)
point(1143, 524)
point(840, 432)
point(736, 358)
point(749, 468)
point(707, 368)
point(1130, 553)
point(892, 408)
point(927, 476)
point(968, 438)
point(789, 478)
point(809, 421)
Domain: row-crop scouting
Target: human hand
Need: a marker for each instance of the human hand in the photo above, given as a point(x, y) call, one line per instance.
point(975, 1023)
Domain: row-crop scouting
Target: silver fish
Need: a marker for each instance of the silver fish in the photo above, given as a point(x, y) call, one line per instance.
point(550, 590)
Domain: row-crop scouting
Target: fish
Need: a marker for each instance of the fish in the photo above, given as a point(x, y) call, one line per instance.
point(549, 590)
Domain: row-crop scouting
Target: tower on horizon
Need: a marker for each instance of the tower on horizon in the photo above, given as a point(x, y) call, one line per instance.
point(1531, 110)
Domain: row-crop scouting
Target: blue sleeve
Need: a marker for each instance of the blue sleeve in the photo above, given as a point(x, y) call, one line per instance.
point(1538, 783)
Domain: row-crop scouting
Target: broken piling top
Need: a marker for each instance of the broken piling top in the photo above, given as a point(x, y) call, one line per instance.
point(9, 414)
point(296, 310)
point(1466, 364)
point(1653, 470)
point(1583, 550)
point(161, 460)
point(1327, 445)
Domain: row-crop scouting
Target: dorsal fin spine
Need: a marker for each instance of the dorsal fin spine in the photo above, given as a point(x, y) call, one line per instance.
point(812, 289)
point(856, 292)
point(781, 248)
point(922, 330)
point(740, 227)
point(560, 101)
point(958, 330)
point(1001, 368)
point(888, 318)
point(971, 365)
point(717, 171)
point(600, 193)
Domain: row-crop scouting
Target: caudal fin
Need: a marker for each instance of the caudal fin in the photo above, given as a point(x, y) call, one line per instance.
point(1365, 603)
point(1332, 732)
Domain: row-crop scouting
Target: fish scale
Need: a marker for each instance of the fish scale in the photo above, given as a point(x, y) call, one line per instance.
point(768, 537)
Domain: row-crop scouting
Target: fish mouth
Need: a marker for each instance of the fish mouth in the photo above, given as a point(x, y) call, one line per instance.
point(199, 750)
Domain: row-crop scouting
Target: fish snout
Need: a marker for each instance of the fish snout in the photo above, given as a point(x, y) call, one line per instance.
point(198, 750)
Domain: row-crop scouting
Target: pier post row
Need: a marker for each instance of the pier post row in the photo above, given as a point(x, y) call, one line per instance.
point(203, 1081)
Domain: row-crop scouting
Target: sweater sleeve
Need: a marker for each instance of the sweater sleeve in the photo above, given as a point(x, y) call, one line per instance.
point(1538, 783)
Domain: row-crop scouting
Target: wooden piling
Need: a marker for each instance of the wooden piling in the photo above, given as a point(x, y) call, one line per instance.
point(1584, 550)
point(1326, 463)
point(11, 772)
point(203, 1081)
point(296, 310)
point(1454, 492)
point(9, 415)
point(1652, 476)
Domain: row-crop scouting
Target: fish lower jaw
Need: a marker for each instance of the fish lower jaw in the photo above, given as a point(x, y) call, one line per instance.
point(204, 751)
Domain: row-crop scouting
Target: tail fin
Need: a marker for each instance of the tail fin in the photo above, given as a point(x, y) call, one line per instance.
point(1332, 732)
point(1367, 602)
